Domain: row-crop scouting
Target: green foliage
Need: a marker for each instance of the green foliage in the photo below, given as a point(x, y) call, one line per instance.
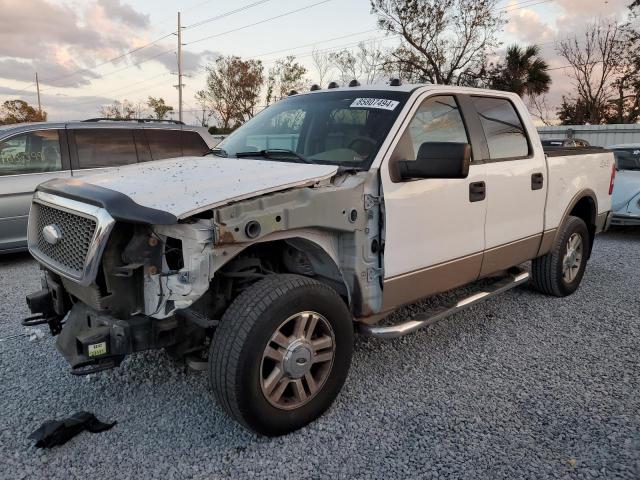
point(19, 111)
point(522, 72)
point(160, 109)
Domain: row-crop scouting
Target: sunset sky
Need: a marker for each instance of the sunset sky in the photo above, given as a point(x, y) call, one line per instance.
point(70, 42)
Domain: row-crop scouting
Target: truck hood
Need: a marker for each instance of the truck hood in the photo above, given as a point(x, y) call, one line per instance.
point(185, 186)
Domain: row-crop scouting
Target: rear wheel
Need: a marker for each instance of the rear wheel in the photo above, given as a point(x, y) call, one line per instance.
point(281, 353)
point(560, 271)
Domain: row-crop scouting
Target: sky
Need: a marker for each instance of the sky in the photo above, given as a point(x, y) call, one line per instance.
point(80, 48)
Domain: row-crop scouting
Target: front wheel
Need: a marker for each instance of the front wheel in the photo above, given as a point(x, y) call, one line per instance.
point(281, 353)
point(560, 271)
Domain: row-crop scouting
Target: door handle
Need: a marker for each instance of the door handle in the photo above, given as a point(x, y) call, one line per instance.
point(537, 181)
point(477, 191)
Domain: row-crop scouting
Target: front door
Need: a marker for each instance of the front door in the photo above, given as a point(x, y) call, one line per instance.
point(434, 228)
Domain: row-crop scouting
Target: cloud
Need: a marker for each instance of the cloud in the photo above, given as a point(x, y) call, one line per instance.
point(124, 13)
point(529, 27)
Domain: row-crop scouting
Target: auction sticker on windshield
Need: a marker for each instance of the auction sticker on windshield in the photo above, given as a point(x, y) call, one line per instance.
point(382, 103)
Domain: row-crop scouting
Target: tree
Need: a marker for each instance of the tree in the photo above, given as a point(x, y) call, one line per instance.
point(596, 60)
point(523, 72)
point(322, 63)
point(286, 75)
point(346, 64)
point(206, 108)
point(366, 65)
point(160, 109)
point(573, 111)
point(19, 111)
point(124, 110)
point(233, 89)
point(443, 41)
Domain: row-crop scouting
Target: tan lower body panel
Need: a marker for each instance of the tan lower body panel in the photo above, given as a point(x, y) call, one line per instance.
point(505, 256)
point(413, 286)
point(547, 241)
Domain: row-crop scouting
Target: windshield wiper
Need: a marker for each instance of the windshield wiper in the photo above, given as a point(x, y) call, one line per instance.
point(218, 152)
point(275, 153)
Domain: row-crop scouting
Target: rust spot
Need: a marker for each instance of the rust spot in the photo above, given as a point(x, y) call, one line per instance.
point(226, 236)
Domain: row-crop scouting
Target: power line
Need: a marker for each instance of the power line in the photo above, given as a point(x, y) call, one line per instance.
point(291, 12)
point(226, 14)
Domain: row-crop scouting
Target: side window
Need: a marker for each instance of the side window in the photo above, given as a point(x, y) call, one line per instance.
point(33, 152)
point(193, 144)
point(438, 119)
point(105, 147)
point(502, 127)
point(164, 143)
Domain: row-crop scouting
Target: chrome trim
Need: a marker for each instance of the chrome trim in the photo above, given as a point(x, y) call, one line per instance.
point(104, 225)
point(512, 280)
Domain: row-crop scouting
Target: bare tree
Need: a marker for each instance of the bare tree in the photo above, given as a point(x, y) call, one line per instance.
point(206, 110)
point(539, 108)
point(443, 41)
point(125, 110)
point(371, 61)
point(347, 65)
point(596, 60)
point(322, 64)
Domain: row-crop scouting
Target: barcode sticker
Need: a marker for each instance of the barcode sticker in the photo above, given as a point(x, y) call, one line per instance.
point(381, 103)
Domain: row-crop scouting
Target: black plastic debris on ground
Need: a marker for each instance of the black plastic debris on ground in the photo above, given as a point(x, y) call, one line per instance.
point(59, 432)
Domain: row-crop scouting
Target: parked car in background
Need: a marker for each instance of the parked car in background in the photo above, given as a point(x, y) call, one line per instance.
point(625, 203)
point(32, 153)
point(564, 143)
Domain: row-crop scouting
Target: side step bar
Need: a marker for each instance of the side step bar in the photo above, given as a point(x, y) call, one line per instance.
point(514, 278)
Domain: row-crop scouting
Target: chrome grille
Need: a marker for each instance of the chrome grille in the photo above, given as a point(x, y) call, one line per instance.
point(70, 252)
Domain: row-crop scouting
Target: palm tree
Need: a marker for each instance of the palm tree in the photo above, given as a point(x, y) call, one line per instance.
point(523, 72)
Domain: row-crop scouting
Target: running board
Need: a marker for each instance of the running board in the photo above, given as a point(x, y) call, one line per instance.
point(514, 278)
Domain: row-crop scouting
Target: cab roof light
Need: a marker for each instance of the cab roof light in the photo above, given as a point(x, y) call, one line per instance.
point(293, 92)
point(333, 85)
point(395, 82)
point(315, 87)
point(354, 83)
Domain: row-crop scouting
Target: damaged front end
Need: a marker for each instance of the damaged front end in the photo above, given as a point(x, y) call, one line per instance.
point(137, 295)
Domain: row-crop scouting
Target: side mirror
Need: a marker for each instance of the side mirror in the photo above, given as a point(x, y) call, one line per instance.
point(437, 160)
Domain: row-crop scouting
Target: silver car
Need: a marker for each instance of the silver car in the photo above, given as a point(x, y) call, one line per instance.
point(626, 193)
point(32, 153)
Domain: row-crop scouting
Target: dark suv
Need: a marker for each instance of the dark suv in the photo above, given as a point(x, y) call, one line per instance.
point(32, 153)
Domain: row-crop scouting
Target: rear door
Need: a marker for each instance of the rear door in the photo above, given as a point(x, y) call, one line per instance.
point(101, 149)
point(26, 160)
point(516, 184)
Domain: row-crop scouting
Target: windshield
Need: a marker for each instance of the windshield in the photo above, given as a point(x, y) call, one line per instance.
point(344, 128)
point(627, 158)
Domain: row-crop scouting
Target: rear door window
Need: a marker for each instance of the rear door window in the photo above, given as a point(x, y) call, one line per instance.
point(164, 143)
point(193, 144)
point(502, 127)
point(105, 147)
point(32, 152)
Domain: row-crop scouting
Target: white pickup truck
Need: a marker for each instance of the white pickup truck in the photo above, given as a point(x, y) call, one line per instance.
point(315, 219)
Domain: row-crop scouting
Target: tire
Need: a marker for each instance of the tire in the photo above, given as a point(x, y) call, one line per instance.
point(239, 366)
point(548, 273)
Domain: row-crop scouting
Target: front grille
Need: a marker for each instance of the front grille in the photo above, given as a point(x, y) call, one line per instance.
point(77, 231)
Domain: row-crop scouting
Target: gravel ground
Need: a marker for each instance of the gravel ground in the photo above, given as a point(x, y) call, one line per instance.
point(523, 386)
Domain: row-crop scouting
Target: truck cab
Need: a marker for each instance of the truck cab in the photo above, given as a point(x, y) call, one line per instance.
point(314, 220)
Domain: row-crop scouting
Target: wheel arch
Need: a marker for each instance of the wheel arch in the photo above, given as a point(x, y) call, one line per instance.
point(299, 250)
point(584, 206)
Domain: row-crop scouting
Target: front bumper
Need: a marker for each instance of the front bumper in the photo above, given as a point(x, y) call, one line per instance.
point(625, 220)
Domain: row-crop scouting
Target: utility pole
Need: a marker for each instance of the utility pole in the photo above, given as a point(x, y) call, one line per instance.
point(38, 90)
point(179, 69)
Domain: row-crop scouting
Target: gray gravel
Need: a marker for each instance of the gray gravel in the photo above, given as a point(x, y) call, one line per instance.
point(523, 386)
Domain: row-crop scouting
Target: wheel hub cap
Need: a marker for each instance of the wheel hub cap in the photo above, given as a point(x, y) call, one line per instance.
point(297, 360)
point(572, 258)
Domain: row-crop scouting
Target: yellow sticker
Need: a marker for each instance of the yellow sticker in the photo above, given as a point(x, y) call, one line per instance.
point(97, 349)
